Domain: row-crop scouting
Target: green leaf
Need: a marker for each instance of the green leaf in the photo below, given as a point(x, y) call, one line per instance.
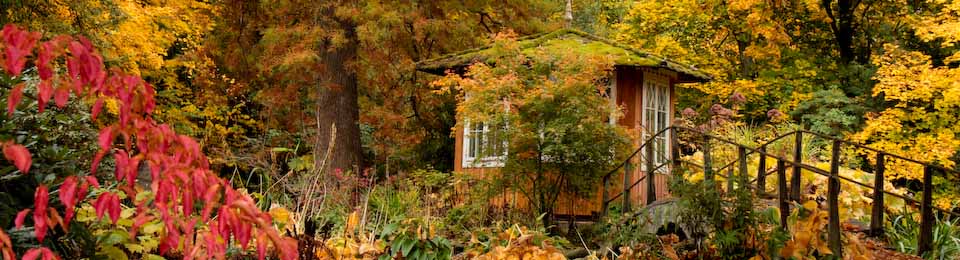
point(407, 246)
point(112, 252)
point(280, 149)
point(415, 255)
point(152, 228)
point(133, 247)
point(388, 230)
point(153, 257)
point(149, 243)
point(395, 248)
point(114, 238)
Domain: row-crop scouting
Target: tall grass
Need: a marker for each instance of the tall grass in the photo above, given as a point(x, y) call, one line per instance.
point(904, 234)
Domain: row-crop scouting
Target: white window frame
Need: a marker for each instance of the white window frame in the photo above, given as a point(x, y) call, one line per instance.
point(612, 97)
point(655, 115)
point(477, 160)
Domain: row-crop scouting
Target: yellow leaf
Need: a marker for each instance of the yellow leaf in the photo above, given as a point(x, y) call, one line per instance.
point(279, 214)
point(353, 221)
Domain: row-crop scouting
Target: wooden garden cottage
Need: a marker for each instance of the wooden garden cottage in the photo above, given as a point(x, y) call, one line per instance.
point(643, 85)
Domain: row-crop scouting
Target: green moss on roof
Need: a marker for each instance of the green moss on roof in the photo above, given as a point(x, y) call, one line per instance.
point(567, 40)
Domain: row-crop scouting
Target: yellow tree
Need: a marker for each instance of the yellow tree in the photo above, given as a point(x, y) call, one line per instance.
point(775, 53)
point(748, 44)
point(923, 122)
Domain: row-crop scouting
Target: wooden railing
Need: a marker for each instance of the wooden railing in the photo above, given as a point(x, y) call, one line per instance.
point(785, 192)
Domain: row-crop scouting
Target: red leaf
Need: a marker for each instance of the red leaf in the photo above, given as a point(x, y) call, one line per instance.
point(261, 246)
point(106, 138)
point(19, 155)
point(287, 248)
point(101, 204)
point(45, 92)
point(32, 254)
point(81, 195)
point(4, 239)
point(96, 161)
point(170, 242)
point(43, 59)
point(49, 255)
point(138, 221)
point(68, 196)
point(244, 233)
point(122, 161)
point(16, 94)
point(187, 201)
point(54, 219)
point(40, 199)
point(209, 200)
point(42, 252)
point(108, 203)
point(97, 106)
point(6, 247)
point(93, 181)
point(60, 96)
point(114, 208)
point(18, 222)
point(19, 44)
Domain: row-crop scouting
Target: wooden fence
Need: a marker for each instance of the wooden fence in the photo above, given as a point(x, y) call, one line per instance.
point(785, 191)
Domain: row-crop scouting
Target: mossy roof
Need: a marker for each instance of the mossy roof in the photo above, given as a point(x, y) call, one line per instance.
point(567, 40)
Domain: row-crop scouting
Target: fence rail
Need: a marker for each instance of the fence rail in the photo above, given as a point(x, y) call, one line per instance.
point(786, 192)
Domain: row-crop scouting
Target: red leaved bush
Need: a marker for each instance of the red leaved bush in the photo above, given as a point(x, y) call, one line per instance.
point(182, 180)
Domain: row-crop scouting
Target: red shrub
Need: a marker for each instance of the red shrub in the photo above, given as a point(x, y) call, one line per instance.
point(181, 175)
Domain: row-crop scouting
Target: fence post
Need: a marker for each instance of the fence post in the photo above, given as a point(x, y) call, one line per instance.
point(926, 213)
point(782, 193)
point(876, 218)
point(674, 150)
point(762, 171)
point(744, 175)
point(833, 191)
point(707, 168)
point(605, 196)
point(651, 175)
point(729, 187)
point(797, 160)
point(626, 186)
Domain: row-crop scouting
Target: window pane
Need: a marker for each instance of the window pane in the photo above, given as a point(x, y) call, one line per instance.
point(471, 148)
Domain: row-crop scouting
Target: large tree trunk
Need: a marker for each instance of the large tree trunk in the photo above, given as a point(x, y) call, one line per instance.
point(843, 27)
point(337, 105)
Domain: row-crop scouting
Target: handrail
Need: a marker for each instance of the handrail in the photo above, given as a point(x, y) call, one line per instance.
point(801, 165)
point(755, 150)
point(926, 205)
point(644, 144)
point(931, 164)
point(825, 173)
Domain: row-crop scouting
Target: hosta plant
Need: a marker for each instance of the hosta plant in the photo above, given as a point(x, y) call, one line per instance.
point(201, 214)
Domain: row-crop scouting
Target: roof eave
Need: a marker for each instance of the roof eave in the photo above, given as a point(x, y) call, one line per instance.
point(459, 61)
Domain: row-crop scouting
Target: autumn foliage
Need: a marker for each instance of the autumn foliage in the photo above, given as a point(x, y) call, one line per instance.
point(202, 214)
